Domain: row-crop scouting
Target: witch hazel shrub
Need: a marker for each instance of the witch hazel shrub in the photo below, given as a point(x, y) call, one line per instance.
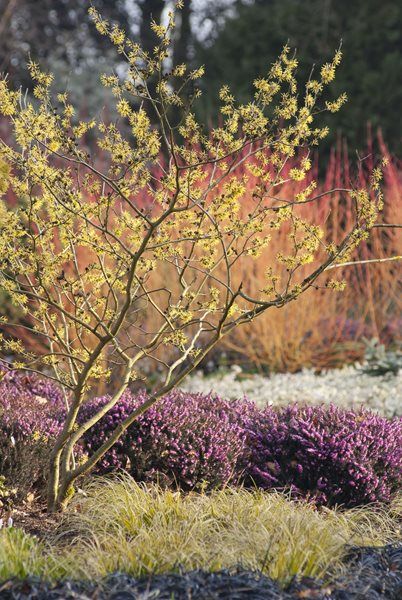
point(191, 441)
point(330, 455)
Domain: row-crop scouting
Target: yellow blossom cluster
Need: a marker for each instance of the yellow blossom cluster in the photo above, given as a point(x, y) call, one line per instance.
point(156, 220)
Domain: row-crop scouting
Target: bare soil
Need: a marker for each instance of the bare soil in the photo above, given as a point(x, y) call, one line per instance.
point(32, 517)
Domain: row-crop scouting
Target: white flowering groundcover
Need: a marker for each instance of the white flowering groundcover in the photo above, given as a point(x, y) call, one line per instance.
point(348, 387)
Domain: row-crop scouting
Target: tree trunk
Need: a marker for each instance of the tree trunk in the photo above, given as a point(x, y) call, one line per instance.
point(151, 10)
point(182, 39)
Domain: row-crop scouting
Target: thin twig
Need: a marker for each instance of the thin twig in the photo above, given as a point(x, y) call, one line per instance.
point(363, 262)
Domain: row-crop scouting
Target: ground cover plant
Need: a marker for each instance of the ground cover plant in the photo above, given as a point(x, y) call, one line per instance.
point(196, 442)
point(193, 229)
point(349, 387)
point(336, 456)
point(119, 525)
point(190, 441)
point(32, 411)
point(332, 455)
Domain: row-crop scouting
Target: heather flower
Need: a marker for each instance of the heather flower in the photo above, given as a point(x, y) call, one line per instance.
point(30, 406)
point(331, 455)
point(193, 441)
point(188, 440)
point(115, 458)
point(32, 412)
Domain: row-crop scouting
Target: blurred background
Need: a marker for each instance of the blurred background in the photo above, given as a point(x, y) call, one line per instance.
point(237, 40)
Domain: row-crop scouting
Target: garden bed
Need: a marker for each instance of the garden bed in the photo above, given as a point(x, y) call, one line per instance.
point(224, 497)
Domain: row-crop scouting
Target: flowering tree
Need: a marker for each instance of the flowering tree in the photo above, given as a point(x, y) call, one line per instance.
point(113, 261)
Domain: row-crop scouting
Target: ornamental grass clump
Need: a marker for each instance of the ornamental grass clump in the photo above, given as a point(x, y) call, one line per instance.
point(191, 441)
point(330, 455)
point(118, 525)
point(141, 529)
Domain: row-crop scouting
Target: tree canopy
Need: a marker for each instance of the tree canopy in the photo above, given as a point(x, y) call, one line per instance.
point(249, 38)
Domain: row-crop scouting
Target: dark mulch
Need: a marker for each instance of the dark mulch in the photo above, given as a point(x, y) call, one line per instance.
point(33, 518)
point(373, 574)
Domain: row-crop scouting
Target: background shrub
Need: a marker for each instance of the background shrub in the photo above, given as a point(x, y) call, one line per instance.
point(31, 414)
point(185, 440)
point(331, 455)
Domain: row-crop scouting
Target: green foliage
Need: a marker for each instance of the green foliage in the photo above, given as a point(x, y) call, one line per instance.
point(20, 555)
point(371, 33)
point(380, 361)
